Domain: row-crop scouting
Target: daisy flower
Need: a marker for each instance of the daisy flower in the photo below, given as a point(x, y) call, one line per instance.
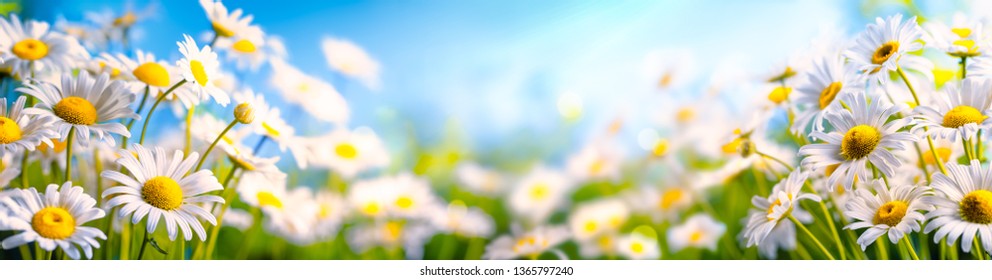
point(331, 211)
point(147, 72)
point(205, 128)
point(225, 24)
point(963, 38)
point(54, 219)
point(604, 244)
point(270, 124)
point(349, 152)
point(317, 97)
point(594, 162)
point(411, 236)
point(700, 231)
point(530, 244)
point(663, 204)
point(20, 132)
point(200, 67)
point(894, 211)
point(960, 112)
point(963, 205)
point(638, 246)
point(250, 48)
point(670, 68)
point(30, 47)
point(8, 169)
point(402, 196)
point(351, 60)
point(779, 204)
point(883, 47)
point(538, 194)
point(821, 85)
point(479, 179)
point(592, 219)
point(459, 219)
point(89, 106)
point(861, 135)
point(158, 187)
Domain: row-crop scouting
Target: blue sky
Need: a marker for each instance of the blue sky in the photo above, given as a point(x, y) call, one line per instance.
point(496, 68)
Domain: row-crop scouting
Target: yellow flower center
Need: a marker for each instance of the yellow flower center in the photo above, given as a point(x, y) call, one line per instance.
point(539, 191)
point(962, 32)
point(244, 46)
point(59, 146)
point(393, 231)
point(162, 192)
point(53, 223)
point(266, 198)
point(324, 211)
point(860, 141)
point(126, 20)
point(944, 153)
point(30, 49)
point(371, 209)
point(606, 243)
point(241, 163)
point(696, 236)
point(733, 146)
point(404, 202)
point(778, 202)
point(976, 207)
point(660, 148)
point(828, 94)
point(637, 247)
point(883, 53)
point(590, 226)
point(969, 45)
point(346, 150)
point(199, 73)
point(665, 81)
point(152, 73)
point(9, 131)
point(75, 110)
point(597, 166)
point(779, 94)
point(962, 115)
point(669, 198)
point(890, 213)
point(685, 115)
point(788, 72)
point(270, 130)
point(221, 30)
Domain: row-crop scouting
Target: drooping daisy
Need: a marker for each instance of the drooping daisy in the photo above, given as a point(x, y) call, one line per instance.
point(893, 211)
point(349, 152)
point(637, 246)
point(158, 187)
point(699, 231)
point(779, 205)
point(199, 68)
point(319, 98)
point(479, 179)
point(861, 135)
point(963, 205)
point(351, 60)
point(959, 112)
point(30, 47)
point(530, 244)
point(962, 38)
point(883, 47)
point(54, 219)
point(225, 24)
point(19, 132)
point(592, 219)
point(827, 78)
point(89, 106)
point(598, 161)
point(538, 194)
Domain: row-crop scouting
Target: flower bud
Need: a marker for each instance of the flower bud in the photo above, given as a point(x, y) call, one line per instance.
point(244, 113)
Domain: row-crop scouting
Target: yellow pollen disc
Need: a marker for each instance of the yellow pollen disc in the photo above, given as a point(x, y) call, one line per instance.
point(669, 198)
point(696, 236)
point(346, 150)
point(969, 45)
point(268, 199)
point(270, 130)
point(733, 146)
point(53, 223)
point(324, 211)
point(30, 49)
point(241, 163)
point(244, 46)
point(539, 191)
point(58, 148)
point(404, 202)
point(660, 148)
point(126, 20)
point(778, 202)
point(962, 115)
point(153, 74)
point(779, 94)
point(371, 209)
point(976, 207)
point(962, 32)
point(9, 131)
point(942, 76)
point(163, 193)
point(860, 141)
point(665, 81)
point(685, 115)
point(883, 53)
point(590, 226)
point(616, 221)
point(785, 74)
point(828, 94)
point(596, 167)
point(199, 73)
point(75, 110)
point(605, 243)
point(637, 247)
point(944, 153)
point(890, 213)
point(393, 231)
point(221, 30)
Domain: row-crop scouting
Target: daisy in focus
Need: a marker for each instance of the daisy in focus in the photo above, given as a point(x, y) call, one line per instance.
point(53, 220)
point(30, 47)
point(19, 132)
point(885, 46)
point(963, 204)
point(958, 112)
point(895, 212)
point(779, 205)
point(200, 67)
point(84, 105)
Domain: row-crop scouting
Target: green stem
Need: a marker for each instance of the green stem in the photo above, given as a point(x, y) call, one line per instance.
point(68, 154)
point(24, 169)
point(936, 157)
point(144, 243)
point(812, 237)
point(779, 161)
point(967, 149)
point(978, 253)
point(964, 67)
point(203, 157)
point(905, 80)
point(152, 110)
point(215, 230)
point(141, 107)
point(909, 247)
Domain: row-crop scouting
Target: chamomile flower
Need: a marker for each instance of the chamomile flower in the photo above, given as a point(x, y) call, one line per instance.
point(529, 244)
point(225, 24)
point(402, 196)
point(670, 68)
point(662, 204)
point(598, 161)
point(30, 47)
point(349, 152)
point(459, 219)
point(826, 79)
point(963, 205)
point(250, 48)
point(699, 231)
point(8, 169)
point(884, 47)
point(331, 210)
point(54, 219)
point(538, 194)
point(479, 179)
point(19, 132)
point(88, 105)
point(319, 98)
point(200, 67)
point(861, 135)
point(637, 246)
point(962, 38)
point(592, 219)
point(270, 124)
point(778, 206)
point(960, 112)
point(158, 187)
point(351, 60)
point(411, 236)
point(893, 211)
